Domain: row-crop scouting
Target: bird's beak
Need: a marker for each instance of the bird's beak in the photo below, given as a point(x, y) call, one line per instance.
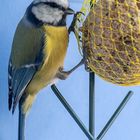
point(69, 11)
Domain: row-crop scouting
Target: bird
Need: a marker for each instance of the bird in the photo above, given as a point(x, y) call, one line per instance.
point(38, 52)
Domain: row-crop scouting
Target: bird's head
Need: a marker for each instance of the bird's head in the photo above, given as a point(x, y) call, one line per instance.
point(51, 12)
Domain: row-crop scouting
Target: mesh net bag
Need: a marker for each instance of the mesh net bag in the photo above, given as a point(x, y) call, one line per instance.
point(110, 33)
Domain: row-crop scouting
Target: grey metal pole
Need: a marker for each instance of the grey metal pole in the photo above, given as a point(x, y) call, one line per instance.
point(92, 103)
point(21, 123)
point(72, 113)
point(115, 115)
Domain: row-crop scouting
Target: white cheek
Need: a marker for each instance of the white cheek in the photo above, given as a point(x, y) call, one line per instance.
point(39, 12)
point(47, 14)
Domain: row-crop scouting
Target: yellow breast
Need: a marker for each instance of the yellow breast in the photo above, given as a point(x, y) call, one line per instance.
point(54, 52)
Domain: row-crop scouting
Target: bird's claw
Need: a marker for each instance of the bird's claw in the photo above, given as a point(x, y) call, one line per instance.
point(75, 18)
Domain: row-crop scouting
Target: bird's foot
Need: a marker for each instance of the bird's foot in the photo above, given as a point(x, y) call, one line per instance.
point(63, 75)
point(75, 18)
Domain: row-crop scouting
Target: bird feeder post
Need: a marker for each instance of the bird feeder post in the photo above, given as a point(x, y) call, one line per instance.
point(92, 103)
point(91, 133)
point(91, 98)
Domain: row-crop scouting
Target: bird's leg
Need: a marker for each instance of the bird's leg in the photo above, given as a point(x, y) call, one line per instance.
point(64, 74)
point(72, 26)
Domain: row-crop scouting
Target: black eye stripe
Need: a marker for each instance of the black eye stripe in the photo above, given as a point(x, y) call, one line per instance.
point(51, 4)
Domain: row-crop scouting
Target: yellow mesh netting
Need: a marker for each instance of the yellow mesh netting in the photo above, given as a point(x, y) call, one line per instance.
point(111, 39)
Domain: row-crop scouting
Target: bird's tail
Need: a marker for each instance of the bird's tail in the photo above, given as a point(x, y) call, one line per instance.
point(21, 123)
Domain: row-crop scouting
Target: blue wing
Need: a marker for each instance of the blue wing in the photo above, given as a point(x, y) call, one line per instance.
point(25, 59)
point(18, 81)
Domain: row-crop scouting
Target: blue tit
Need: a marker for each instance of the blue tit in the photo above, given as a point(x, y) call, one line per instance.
point(38, 52)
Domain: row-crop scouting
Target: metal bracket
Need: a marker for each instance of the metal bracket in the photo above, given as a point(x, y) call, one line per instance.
point(91, 132)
